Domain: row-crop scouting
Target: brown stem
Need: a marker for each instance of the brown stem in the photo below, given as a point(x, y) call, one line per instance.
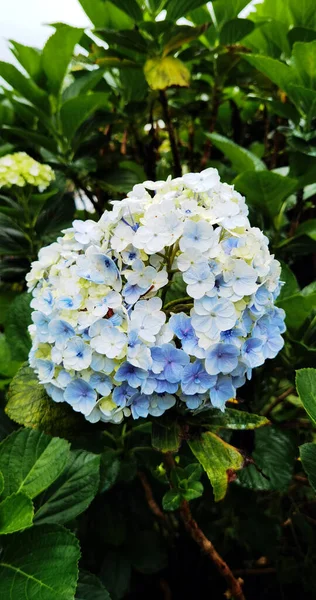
point(177, 170)
point(155, 509)
point(207, 547)
point(277, 401)
point(205, 544)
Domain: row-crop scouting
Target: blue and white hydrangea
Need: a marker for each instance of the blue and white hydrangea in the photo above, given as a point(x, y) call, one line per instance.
point(110, 337)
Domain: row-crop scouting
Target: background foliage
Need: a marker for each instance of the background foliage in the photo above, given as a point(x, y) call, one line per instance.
point(139, 98)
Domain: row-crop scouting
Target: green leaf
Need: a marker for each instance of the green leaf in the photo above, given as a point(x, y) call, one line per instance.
point(130, 7)
point(217, 459)
point(8, 367)
point(180, 35)
point(194, 490)
point(308, 458)
point(225, 11)
point(280, 73)
point(171, 500)
point(12, 238)
point(306, 387)
point(1, 483)
point(23, 85)
point(109, 469)
point(289, 280)
point(303, 12)
point(164, 72)
point(231, 419)
point(265, 190)
point(40, 563)
point(30, 59)
point(166, 437)
point(116, 573)
point(304, 99)
point(234, 30)
point(18, 320)
point(73, 491)
point(301, 34)
point(30, 461)
point(148, 552)
point(90, 588)
point(297, 309)
point(76, 110)
point(83, 84)
point(29, 405)
point(106, 14)
point(180, 8)
point(304, 60)
point(241, 158)
point(275, 453)
point(16, 513)
point(32, 137)
point(57, 54)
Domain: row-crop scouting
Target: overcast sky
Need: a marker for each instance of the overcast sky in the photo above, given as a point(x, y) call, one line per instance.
point(23, 21)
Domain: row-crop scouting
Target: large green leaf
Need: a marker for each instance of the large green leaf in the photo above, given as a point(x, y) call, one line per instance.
point(73, 491)
point(16, 513)
point(303, 12)
point(90, 588)
point(280, 73)
point(308, 458)
point(218, 459)
point(306, 387)
point(304, 60)
point(32, 137)
point(225, 11)
point(76, 110)
point(30, 461)
point(166, 436)
point(8, 367)
point(57, 54)
point(265, 190)
point(274, 454)
point(84, 83)
point(103, 13)
point(23, 85)
point(241, 158)
point(297, 309)
point(180, 8)
point(40, 563)
point(17, 321)
point(304, 99)
point(29, 405)
point(234, 30)
point(12, 238)
point(30, 59)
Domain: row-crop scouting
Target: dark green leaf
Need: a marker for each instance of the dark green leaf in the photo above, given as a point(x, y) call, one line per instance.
point(148, 552)
point(280, 73)
point(109, 469)
point(301, 34)
point(16, 513)
point(290, 285)
point(231, 419)
point(308, 458)
point(234, 30)
point(73, 491)
point(297, 309)
point(12, 238)
point(166, 438)
point(8, 367)
point(30, 461)
point(171, 500)
point(225, 11)
point(275, 452)
point(40, 563)
point(57, 54)
point(180, 8)
point(90, 588)
point(303, 13)
point(83, 84)
point(116, 574)
point(17, 322)
point(32, 137)
point(306, 387)
point(217, 458)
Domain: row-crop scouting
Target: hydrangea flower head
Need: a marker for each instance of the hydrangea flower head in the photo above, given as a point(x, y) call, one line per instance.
point(113, 339)
point(20, 169)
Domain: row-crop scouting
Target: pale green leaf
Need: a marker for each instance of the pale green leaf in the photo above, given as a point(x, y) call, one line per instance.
point(217, 459)
point(306, 387)
point(41, 562)
point(304, 60)
point(162, 73)
point(16, 513)
point(30, 461)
